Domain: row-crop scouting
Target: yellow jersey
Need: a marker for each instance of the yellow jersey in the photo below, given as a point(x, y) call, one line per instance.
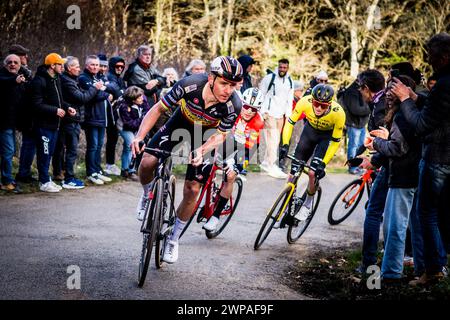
point(333, 120)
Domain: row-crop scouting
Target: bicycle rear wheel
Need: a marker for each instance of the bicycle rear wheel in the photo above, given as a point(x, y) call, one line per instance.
point(274, 214)
point(345, 202)
point(150, 230)
point(166, 222)
point(297, 228)
point(229, 209)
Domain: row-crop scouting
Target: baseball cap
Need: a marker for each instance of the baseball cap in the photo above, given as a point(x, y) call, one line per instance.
point(53, 58)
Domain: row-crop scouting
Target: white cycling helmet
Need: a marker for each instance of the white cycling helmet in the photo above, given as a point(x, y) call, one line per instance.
point(253, 97)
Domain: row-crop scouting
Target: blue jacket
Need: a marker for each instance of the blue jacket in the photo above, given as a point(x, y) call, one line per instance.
point(96, 108)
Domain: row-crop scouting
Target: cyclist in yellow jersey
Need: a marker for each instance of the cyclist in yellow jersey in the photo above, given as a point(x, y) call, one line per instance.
point(324, 125)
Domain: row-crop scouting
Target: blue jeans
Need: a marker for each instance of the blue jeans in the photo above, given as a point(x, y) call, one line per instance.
point(416, 238)
point(7, 150)
point(433, 180)
point(27, 153)
point(45, 146)
point(128, 137)
point(94, 144)
point(399, 202)
point(71, 138)
point(355, 140)
point(374, 217)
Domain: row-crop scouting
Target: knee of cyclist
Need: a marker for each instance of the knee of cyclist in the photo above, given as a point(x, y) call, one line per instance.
point(191, 189)
point(231, 176)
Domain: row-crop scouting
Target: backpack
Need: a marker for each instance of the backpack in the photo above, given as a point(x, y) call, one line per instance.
point(271, 84)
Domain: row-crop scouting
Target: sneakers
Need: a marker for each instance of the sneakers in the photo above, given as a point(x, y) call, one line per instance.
point(303, 213)
point(11, 187)
point(129, 176)
point(276, 172)
point(142, 205)
point(73, 184)
point(59, 177)
point(171, 251)
point(264, 166)
point(212, 223)
point(112, 169)
point(102, 177)
point(49, 187)
point(95, 179)
point(427, 279)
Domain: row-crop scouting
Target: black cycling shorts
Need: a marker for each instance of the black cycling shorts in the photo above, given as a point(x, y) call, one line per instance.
point(312, 142)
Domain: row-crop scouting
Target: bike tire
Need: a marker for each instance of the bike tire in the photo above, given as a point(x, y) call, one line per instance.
point(226, 220)
point(333, 217)
point(272, 217)
point(166, 223)
point(293, 234)
point(148, 238)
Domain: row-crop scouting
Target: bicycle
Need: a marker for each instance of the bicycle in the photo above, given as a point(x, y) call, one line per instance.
point(286, 206)
point(209, 196)
point(348, 198)
point(159, 217)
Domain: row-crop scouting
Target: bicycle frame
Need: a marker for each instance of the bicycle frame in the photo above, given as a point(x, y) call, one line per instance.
point(206, 196)
point(366, 178)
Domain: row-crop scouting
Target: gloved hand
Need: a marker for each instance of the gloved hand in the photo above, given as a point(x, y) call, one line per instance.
point(319, 167)
point(284, 151)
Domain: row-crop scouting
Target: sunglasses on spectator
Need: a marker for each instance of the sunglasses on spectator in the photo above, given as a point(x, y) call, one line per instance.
point(12, 62)
point(247, 107)
point(120, 66)
point(321, 105)
point(322, 80)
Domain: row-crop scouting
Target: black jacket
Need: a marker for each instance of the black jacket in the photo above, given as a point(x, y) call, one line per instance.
point(403, 148)
point(46, 98)
point(75, 96)
point(356, 109)
point(245, 62)
point(433, 121)
point(138, 75)
point(117, 84)
point(12, 95)
point(377, 113)
point(96, 108)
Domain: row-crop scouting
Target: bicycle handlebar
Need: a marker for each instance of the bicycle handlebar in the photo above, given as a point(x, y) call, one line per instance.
point(300, 162)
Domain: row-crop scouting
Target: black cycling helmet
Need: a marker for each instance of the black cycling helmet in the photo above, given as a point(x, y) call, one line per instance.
point(228, 68)
point(322, 92)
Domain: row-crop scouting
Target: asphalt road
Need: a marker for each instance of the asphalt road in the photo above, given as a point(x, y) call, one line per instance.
point(95, 229)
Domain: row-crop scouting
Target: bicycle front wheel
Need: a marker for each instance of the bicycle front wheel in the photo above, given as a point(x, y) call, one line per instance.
point(297, 228)
point(166, 222)
point(345, 202)
point(229, 209)
point(274, 214)
point(150, 230)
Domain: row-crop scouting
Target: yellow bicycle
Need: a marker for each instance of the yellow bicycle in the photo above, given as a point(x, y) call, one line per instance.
point(286, 207)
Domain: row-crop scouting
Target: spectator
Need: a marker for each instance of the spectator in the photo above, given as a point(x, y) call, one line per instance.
point(24, 122)
point(431, 82)
point(320, 77)
point(95, 122)
point(142, 74)
point(401, 146)
point(12, 87)
point(299, 86)
point(433, 123)
point(132, 109)
point(371, 84)
point(357, 115)
point(196, 66)
point(171, 76)
point(49, 108)
point(70, 129)
point(247, 63)
point(278, 92)
point(116, 86)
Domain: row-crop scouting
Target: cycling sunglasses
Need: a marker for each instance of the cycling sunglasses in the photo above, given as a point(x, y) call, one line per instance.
point(247, 107)
point(321, 105)
point(121, 66)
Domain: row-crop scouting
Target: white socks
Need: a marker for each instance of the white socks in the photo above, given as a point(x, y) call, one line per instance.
point(177, 229)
